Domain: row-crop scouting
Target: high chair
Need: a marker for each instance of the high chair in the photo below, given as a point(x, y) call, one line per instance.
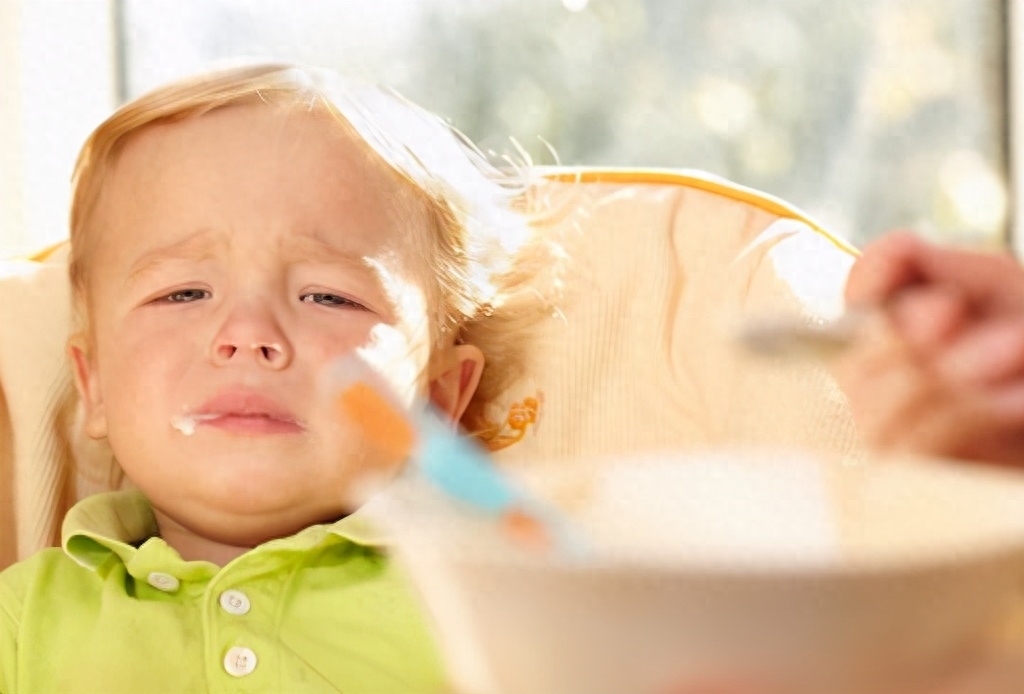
point(637, 354)
point(641, 354)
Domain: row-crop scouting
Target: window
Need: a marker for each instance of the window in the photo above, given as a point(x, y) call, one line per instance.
point(868, 115)
point(58, 84)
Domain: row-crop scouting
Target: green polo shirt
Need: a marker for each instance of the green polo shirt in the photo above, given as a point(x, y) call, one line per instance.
point(117, 610)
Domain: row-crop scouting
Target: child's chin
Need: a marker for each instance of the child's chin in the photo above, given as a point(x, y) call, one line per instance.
point(251, 531)
point(249, 513)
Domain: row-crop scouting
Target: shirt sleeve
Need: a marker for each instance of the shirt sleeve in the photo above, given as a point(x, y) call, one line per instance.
point(10, 610)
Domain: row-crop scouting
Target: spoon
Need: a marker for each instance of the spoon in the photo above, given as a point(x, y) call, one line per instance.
point(801, 338)
point(449, 461)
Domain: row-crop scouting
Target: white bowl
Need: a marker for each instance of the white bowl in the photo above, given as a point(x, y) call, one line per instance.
point(847, 578)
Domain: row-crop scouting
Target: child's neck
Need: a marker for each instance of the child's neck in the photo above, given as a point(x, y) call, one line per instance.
point(193, 547)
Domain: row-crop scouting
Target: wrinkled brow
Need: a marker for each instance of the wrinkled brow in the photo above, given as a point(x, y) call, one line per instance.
point(314, 247)
point(197, 246)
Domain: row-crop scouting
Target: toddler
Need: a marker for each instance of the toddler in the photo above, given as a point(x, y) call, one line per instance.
point(232, 236)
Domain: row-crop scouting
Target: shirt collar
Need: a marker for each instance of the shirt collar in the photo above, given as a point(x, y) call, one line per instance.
point(114, 525)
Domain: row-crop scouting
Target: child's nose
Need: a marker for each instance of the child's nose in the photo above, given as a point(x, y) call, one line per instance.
point(274, 355)
point(252, 338)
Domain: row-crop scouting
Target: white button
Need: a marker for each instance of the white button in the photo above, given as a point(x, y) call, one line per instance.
point(162, 581)
point(239, 661)
point(234, 602)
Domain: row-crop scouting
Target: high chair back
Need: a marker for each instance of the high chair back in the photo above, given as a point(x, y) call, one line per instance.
point(636, 356)
point(641, 352)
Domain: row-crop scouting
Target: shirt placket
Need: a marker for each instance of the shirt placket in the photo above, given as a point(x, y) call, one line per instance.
point(239, 626)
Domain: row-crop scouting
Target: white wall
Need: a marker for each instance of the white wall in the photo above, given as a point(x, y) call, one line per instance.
point(58, 82)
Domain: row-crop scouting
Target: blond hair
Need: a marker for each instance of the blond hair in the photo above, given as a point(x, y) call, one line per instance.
point(487, 258)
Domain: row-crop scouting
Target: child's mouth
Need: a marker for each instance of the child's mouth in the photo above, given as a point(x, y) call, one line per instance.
point(240, 412)
point(236, 423)
point(251, 424)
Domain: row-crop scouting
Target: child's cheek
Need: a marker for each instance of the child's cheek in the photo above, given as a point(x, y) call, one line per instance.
point(399, 358)
point(151, 364)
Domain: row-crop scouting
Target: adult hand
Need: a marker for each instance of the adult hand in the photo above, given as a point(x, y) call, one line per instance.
point(940, 368)
point(997, 675)
point(1000, 676)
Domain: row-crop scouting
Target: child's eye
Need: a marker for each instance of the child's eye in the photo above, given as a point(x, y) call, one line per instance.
point(326, 299)
point(186, 296)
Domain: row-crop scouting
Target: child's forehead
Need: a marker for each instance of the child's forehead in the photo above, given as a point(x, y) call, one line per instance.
point(301, 166)
point(264, 130)
point(282, 147)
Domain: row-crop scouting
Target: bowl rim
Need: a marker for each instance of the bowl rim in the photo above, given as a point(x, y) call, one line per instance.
point(997, 546)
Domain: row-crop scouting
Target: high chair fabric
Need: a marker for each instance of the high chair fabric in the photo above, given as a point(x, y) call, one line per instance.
point(640, 353)
point(637, 354)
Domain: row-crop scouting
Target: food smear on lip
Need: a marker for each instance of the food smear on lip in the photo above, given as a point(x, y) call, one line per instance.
point(186, 424)
point(241, 412)
point(241, 423)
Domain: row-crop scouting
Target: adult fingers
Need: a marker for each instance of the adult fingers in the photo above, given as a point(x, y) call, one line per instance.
point(980, 425)
point(1006, 402)
point(1002, 441)
point(887, 388)
point(1004, 450)
point(887, 265)
point(900, 403)
point(929, 318)
point(988, 352)
point(995, 676)
point(950, 427)
point(990, 281)
point(725, 684)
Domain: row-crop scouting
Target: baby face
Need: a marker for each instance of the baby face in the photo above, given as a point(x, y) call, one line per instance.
point(239, 254)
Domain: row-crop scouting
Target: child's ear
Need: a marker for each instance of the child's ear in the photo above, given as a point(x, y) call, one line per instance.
point(451, 390)
point(87, 383)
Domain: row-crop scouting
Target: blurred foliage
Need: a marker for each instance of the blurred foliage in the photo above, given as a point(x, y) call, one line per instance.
point(869, 115)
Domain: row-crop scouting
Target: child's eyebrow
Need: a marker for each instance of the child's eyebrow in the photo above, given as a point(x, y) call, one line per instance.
point(314, 247)
point(196, 246)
